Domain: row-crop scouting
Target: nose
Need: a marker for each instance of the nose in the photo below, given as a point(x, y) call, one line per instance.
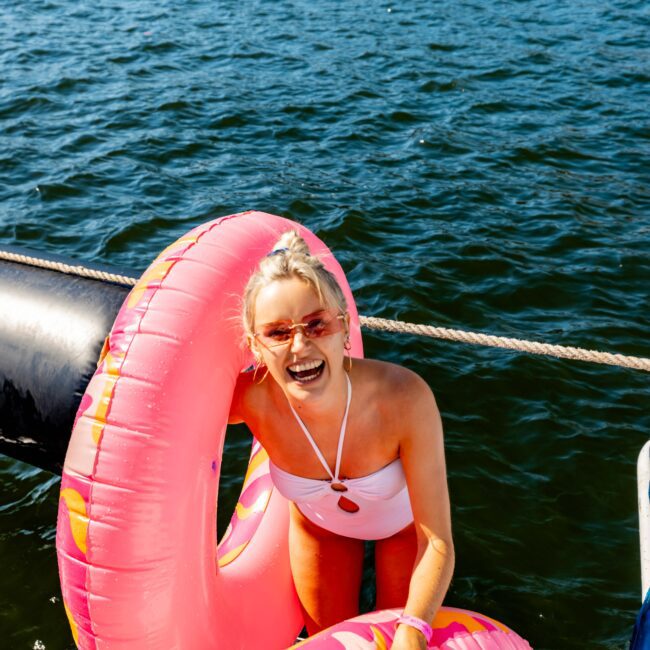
point(298, 340)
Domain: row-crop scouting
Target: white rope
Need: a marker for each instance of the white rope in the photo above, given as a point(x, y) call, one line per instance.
point(387, 325)
point(532, 347)
point(67, 268)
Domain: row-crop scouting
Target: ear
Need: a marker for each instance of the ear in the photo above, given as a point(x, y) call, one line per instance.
point(253, 347)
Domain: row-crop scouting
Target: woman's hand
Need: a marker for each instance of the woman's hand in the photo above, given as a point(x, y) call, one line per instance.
point(408, 638)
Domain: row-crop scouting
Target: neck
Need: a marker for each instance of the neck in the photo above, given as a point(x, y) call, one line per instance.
point(326, 408)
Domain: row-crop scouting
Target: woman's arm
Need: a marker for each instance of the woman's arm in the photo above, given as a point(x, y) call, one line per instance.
point(423, 457)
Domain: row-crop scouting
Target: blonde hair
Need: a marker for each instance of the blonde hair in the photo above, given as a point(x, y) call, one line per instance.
point(290, 258)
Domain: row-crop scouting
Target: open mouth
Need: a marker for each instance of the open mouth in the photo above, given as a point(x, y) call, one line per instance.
point(307, 371)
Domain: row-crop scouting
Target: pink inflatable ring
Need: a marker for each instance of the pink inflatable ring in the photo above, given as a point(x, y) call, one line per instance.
point(136, 533)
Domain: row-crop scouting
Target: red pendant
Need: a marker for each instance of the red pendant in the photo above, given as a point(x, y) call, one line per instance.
point(347, 505)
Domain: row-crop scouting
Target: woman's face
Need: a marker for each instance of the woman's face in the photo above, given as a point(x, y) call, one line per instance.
point(303, 367)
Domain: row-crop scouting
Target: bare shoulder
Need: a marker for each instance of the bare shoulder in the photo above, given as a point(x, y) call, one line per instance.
point(244, 394)
point(409, 410)
point(394, 380)
point(397, 391)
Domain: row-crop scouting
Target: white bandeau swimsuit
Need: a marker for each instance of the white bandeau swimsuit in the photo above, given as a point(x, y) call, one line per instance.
point(382, 497)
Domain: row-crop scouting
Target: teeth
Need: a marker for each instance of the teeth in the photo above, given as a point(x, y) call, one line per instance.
point(301, 367)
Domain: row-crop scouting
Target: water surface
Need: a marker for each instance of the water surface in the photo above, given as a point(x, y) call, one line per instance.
point(473, 165)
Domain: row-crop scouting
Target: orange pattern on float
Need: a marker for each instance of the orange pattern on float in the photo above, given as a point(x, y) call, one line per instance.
point(78, 516)
point(72, 539)
point(73, 625)
point(378, 638)
point(110, 369)
point(253, 501)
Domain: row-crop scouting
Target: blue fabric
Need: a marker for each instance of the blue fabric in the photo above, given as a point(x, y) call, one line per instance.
point(641, 633)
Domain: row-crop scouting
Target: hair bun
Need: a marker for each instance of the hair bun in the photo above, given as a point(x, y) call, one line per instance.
point(293, 243)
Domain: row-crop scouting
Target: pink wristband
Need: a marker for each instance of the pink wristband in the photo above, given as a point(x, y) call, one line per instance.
point(418, 624)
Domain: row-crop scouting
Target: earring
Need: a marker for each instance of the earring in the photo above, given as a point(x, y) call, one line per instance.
point(347, 346)
point(258, 365)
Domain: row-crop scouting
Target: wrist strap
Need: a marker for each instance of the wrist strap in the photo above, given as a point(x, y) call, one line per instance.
point(418, 624)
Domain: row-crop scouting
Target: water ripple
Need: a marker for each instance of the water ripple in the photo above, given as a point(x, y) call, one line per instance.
point(473, 165)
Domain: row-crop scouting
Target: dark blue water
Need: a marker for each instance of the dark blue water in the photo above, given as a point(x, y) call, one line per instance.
point(476, 165)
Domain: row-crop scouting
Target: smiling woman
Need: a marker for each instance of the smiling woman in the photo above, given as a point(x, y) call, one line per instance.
point(368, 467)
